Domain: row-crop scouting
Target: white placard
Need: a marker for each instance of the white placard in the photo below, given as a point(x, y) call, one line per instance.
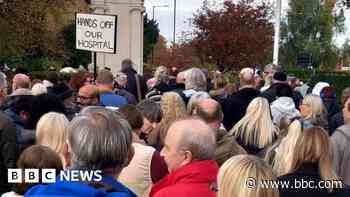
point(96, 32)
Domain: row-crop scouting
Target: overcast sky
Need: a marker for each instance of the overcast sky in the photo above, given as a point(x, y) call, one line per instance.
point(185, 10)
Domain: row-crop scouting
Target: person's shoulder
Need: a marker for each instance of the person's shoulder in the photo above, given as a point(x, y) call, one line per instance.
point(144, 147)
point(342, 132)
point(120, 194)
point(10, 194)
point(342, 192)
point(173, 191)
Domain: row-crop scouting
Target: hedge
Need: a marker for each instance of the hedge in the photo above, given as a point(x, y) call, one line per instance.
point(338, 79)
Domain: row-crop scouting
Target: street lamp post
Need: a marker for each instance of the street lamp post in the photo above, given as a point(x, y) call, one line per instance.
point(277, 31)
point(153, 8)
point(174, 33)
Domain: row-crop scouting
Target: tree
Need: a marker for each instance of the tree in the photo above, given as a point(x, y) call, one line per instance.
point(179, 55)
point(345, 53)
point(309, 29)
point(75, 57)
point(150, 36)
point(32, 31)
point(238, 35)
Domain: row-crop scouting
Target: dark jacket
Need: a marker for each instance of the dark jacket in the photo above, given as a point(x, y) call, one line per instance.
point(308, 173)
point(179, 88)
point(163, 87)
point(155, 94)
point(226, 147)
point(235, 106)
point(131, 85)
point(8, 150)
point(271, 93)
point(336, 121)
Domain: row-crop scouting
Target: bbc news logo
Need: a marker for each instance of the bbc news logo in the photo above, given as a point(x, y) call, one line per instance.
point(50, 175)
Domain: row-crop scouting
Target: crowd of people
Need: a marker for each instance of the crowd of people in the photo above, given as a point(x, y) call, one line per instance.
point(188, 133)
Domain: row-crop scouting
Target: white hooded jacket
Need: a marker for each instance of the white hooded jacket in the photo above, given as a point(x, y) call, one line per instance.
point(283, 107)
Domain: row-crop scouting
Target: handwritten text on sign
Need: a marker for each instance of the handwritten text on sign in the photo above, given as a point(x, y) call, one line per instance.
point(96, 32)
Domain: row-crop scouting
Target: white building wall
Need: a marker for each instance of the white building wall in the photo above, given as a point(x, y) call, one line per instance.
point(129, 32)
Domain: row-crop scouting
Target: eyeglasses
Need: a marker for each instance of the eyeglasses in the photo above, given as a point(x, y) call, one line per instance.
point(85, 98)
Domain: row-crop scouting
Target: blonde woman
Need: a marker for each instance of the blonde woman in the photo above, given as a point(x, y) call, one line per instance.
point(256, 131)
point(161, 84)
point(313, 111)
point(160, 75)
point(173, 108)
point(312, 163)
point(51, 132)
point(282, 155)
point(236, 174)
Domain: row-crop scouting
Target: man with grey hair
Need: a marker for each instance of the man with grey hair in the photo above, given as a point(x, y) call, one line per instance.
point(210, 111)
point(195, 80)
point(234, 107)
point(189, 152)
point(269, 71)
point(120, 84)
point(98, 139)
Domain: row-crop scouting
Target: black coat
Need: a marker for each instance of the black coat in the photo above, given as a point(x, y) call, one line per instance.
point(8, 150)
point(235, 106)
point(336, 121)
point(131, 84)
point(270, 94)
point(307, 173)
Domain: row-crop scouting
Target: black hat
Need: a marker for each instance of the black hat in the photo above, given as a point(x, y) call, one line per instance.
point(62, 91)
point(280, 76)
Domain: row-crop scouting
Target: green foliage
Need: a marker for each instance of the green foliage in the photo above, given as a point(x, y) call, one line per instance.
point(34, 64)
point(37, 34)
point(150, 36)
point(309, 29)
point(345, 53)
point(74, 57)
point(340, 80)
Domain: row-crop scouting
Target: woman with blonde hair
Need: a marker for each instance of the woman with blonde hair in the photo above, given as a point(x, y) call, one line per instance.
point(281, 154)
point(313, 111)
point(241, 175)
point(51, 132)
point(161, 84)
point(312, 163)
point(173, 109)
point(256, 131)
point(160, 74)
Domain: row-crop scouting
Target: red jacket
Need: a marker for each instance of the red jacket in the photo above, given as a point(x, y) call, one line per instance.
point(195, 179)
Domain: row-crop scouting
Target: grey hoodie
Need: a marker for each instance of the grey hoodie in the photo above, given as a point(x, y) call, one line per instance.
point(341, 140)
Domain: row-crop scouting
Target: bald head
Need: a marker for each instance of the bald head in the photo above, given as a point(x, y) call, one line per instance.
point(210, 111)
point(246, 77)
point(88, 96)
point(193, 135)
point(91, 90)
point(20, 81)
